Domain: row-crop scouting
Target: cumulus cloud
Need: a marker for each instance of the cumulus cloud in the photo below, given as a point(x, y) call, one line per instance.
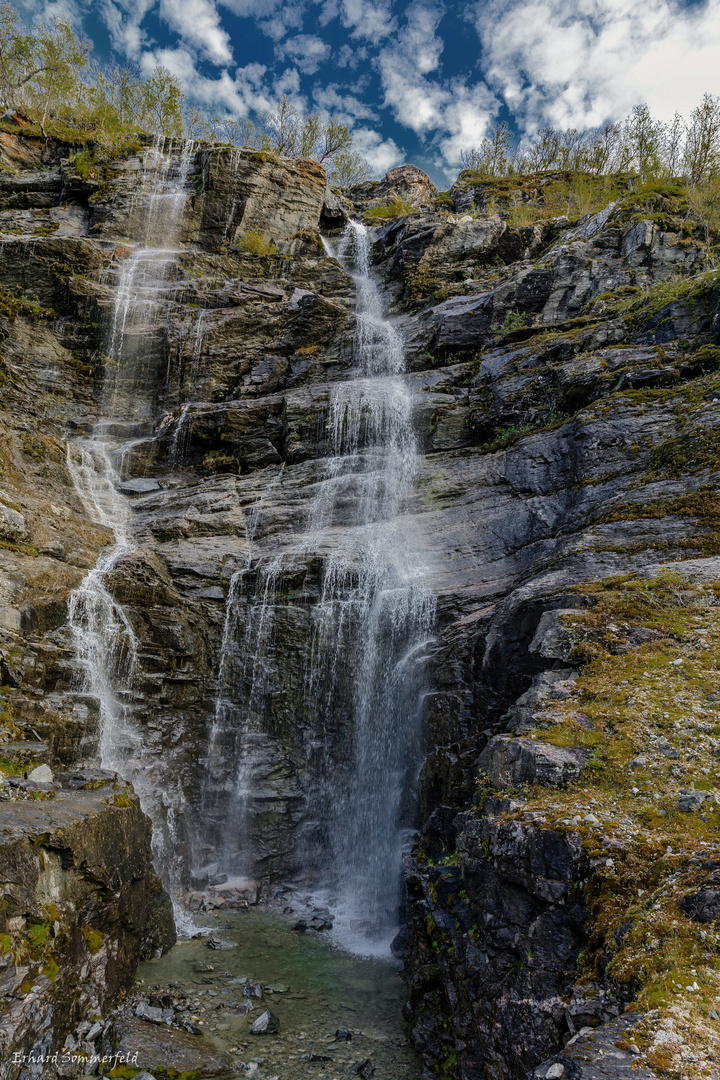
point(123, 22)
point(347, 56)
point(345, 107)
point(287, 18)
point(43, 11)
point(306, 51)
point(455, 112)
point(197, 22)
point(381, 154)
point(369, 19)
point(577, 64)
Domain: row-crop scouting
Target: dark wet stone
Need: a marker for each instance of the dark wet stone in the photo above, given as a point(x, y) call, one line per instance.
point(266, 1024)
point(703, 906)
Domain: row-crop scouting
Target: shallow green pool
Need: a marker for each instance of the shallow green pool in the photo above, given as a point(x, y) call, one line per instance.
point(318, 989)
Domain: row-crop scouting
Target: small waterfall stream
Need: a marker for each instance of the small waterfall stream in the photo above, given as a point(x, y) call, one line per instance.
point(370, 622)
point(104, 639)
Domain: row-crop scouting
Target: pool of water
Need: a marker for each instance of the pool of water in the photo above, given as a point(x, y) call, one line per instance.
point(313, 987)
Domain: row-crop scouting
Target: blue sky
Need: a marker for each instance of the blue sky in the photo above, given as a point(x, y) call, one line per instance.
point(418, 81)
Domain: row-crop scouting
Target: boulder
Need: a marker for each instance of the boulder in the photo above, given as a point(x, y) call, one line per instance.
point(41, 775)
point(689, 801)
point(702, 906)
point(410, 184)
point(12, 524)
point(335, 211)
point(266, 1024)
point(165, 1052)
point(509, 761)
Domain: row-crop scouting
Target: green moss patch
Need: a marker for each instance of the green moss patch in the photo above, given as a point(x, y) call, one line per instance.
point(93, 938)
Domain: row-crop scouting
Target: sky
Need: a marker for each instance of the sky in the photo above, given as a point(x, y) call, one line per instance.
point(418, 81)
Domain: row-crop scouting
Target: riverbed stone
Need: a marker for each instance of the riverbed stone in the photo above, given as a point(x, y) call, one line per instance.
point(266, 1024)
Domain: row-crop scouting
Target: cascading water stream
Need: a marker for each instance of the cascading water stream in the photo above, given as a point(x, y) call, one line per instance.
point(104, 639)
point(370, 622)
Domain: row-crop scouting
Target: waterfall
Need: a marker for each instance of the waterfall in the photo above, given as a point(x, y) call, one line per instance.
point(102, 632)
point(370, 623)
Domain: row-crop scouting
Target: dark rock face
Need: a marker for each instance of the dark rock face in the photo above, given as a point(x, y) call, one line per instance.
point(703, 906)
point(491, 941)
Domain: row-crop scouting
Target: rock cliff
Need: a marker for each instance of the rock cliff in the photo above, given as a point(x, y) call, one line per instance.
point(81, 906)
point(564, 382)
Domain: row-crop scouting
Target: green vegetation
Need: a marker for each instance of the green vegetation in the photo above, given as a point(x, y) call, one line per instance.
point(571, 195)
point(21, 549)
point(37, 935)
point(220, 461)
point(93, 938)
point(390, 208)
point(639, 144)
point(691, 452)
point(289, 134)
point(506, 436)
point(255, 242)
point(11, 768)
point(11, 306)
point(48, 74)
point(514, 320)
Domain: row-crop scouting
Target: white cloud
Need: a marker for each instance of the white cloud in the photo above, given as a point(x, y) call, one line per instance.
point(306, 50)
point(456, 113)
point(344, 107)
point(577, 64)
point(347, 56)
point(287, 18)
point(197, 22)
point(381, 154)
point(366, 19)
point(124, 25)
point(43, 11)
point(221, 95)
point(330, 11)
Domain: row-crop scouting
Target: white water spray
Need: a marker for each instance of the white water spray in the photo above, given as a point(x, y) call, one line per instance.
point(104, 638)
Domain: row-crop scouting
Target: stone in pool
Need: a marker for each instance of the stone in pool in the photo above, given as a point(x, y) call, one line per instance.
point(266, 1024)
